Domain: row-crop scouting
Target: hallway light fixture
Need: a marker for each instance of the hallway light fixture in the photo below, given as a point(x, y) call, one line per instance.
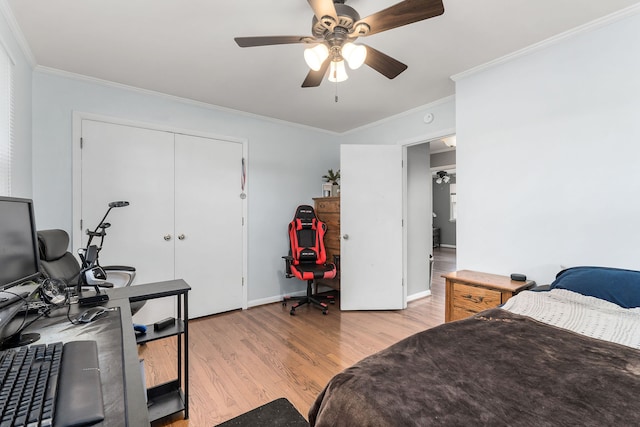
point(450, 141)
point(443, 176)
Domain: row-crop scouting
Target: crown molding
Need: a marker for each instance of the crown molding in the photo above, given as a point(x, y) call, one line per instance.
point(403, 114)
point(15, 29)
point(187, 101)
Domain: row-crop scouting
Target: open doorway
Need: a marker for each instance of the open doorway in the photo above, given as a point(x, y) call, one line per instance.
point(444, 194)
point(444, 202)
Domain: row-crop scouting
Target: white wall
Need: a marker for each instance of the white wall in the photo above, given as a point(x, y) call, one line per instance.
point(408, 127)
point(547, 157)
point(285, 164)
point(21, 182)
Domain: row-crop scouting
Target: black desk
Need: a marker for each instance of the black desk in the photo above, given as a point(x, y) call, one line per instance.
point(122, 386)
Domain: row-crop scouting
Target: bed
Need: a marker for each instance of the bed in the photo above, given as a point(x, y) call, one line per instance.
point(566, 356)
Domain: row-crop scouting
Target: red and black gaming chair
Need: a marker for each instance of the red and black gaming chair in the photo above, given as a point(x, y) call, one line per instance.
point(307, 256)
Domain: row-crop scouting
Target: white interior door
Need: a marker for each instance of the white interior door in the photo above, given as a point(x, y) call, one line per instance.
point(371, 213)
point(209, 225)
point(117, 165)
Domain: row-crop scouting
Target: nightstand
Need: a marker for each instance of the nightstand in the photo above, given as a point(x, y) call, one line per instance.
point(470, 292)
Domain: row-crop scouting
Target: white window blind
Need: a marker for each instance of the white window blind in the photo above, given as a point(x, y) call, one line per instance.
point(6, 121)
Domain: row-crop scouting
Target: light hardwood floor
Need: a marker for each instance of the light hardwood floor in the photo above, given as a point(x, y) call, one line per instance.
point(243, 359)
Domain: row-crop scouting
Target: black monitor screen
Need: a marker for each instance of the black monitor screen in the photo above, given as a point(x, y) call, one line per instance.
point(19, 257)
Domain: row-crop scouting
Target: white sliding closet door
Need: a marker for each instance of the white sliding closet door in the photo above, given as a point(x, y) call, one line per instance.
point(185, 214)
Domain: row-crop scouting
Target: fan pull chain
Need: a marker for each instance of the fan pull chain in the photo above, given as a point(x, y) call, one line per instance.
point(336, 97)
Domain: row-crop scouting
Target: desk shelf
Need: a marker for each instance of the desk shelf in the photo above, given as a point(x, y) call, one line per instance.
point(164, 400)
point(172, 397)
point(152, 335)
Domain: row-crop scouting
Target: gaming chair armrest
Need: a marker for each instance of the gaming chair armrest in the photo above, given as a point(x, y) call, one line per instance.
point(288, 260)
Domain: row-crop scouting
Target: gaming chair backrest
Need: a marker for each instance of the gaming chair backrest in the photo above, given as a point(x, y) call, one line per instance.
point(306, 235)
point(55, 261)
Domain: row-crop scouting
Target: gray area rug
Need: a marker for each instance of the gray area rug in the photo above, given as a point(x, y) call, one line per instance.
point(278, 413)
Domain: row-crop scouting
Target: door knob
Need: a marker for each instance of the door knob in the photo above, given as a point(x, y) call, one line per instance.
point(345, 236)
point(181, 237)
point(167, 237)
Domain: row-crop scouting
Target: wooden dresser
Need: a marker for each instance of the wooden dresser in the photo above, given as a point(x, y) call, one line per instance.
point(328, 211)
point(470, 292)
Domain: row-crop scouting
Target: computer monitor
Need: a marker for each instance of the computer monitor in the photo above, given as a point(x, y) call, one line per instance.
point(19, 264)
point(19, 254)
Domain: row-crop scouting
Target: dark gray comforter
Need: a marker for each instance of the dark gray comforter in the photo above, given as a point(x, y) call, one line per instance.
point(494, 369)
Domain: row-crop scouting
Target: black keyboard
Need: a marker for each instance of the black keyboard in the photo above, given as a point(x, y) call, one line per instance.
point(51, 385)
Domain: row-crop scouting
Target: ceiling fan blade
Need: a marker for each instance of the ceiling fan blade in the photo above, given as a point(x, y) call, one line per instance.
point(314, 78)
point(270, 40)
point(323, 8)
point(383, 63)
point(403, 13)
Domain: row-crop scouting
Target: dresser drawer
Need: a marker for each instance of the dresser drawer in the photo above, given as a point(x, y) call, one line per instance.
point(473, 299)
point(332, 242)
point(331, 220)
point(469, 292)
point(330, 204)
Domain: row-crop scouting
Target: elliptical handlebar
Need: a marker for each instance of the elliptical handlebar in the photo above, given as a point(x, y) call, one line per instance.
point(87, 262)
point(89, 254)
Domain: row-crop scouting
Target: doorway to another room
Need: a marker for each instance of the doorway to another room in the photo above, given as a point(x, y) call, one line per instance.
point(444, 193)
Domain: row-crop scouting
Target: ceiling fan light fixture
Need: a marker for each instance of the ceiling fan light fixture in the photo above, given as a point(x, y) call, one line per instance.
point(337, 72)
point(315, 56)
point(355, 54)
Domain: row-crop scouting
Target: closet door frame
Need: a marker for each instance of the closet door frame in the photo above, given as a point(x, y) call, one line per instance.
point(76, 232)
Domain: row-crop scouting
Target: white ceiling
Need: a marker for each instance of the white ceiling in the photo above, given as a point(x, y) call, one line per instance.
point(186, 48)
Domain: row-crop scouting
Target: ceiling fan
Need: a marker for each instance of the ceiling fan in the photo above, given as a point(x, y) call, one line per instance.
point(336, 26)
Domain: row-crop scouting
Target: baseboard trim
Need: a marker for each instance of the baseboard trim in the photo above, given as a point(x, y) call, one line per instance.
point(444, 245)
point(418, 295)
point(279, 298)
point(275, 298)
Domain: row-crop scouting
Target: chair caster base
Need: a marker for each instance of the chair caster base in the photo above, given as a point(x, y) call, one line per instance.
point(292, 312)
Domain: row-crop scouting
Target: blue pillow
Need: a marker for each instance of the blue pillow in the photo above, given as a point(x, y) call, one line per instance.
point(621, 287)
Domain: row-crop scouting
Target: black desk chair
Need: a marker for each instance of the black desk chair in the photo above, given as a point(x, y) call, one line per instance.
point(307, 256)
point(58, 263)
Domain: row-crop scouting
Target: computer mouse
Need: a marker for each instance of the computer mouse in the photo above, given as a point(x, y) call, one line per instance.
point(91, 314)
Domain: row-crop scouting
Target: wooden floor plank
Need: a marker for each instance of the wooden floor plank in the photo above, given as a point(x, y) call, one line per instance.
point(243, 359)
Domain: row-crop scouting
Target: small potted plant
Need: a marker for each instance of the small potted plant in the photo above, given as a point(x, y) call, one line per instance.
point(333, 178)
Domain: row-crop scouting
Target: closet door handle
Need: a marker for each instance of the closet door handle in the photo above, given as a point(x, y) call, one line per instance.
point(167, 237)
point(181, 237)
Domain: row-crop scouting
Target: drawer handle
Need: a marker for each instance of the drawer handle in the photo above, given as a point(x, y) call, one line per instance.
point(472, 298)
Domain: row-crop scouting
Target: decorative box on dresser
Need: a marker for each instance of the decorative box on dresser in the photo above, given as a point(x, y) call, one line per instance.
point(470, 292)
point(328, 211)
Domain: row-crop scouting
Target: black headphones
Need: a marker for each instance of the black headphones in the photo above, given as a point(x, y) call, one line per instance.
point(54, 291)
